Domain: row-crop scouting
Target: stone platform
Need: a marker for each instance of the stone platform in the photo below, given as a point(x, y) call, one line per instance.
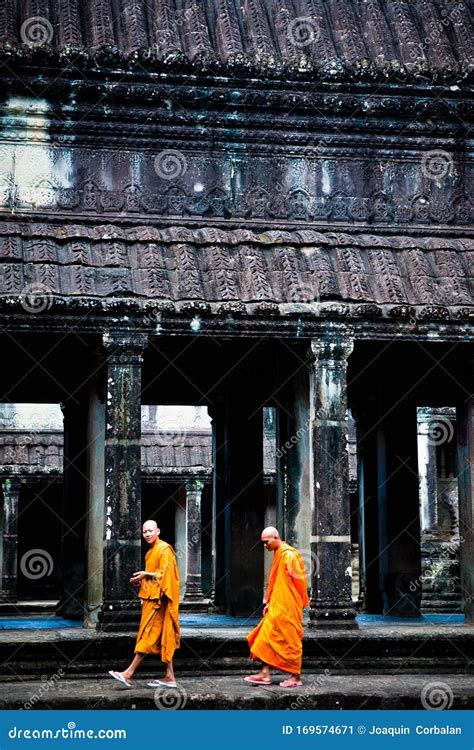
point(218, 647)
point(319, 691)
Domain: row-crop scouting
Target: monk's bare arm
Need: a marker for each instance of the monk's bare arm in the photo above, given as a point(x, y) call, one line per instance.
point(137, 577)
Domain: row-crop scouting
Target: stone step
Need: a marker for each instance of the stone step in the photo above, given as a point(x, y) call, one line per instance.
point(222, 651)
point(319, 691)
point(28, 607)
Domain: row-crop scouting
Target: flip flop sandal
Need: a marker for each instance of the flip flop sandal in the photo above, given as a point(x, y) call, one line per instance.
point(120, 678)
point(256, 681)
point(160, 683)
point(290, 684)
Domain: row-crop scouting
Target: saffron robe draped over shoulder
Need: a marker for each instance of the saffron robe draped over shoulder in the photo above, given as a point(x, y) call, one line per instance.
point(158, 632)
point(278, 638)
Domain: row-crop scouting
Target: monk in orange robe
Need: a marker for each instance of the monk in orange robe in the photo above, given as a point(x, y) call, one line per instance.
point(158, 632)
point(277, 641)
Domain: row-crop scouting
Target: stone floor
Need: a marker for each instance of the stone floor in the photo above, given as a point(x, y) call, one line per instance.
point(319, 691)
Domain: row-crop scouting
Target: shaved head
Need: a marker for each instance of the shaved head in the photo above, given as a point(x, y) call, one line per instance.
point(154, 525)
point(150, 531)
point(271, 538)
point(271, 531)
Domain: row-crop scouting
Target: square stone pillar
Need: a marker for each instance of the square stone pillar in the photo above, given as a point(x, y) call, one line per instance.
point(293, 458)
point(331, 599)
point(194, 600)
point(373, 557)
point(74, 508)
point(11, 495)
point(466, 502)
point(122, 543)
point(220, 510)
point(96, 492)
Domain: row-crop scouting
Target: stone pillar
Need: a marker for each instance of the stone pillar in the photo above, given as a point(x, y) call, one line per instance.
point(74, 507)
point(466, 502)
point(122, 544)
point(220, 510)
point(371, 526)
point(180, 537)
point(331, 599)
point(95, 497)
point(193, 596)
point(11, 496)
point(439, 516)
point(428, 472)
point(294, 476)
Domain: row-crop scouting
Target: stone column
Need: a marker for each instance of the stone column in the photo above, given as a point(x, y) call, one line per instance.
point(122, 544)
point(95, 495)
point(11, 496)
point(220, 510)
point(428, 472)
point(466, 502)
point(180, 537)
point(293, 454)
point(373, 560)
point(74, 508)
point(193, 596)
point(331, 600)
point(440, 582)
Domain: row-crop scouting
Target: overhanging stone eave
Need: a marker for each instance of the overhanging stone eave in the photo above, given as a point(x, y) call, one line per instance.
point(159, 318)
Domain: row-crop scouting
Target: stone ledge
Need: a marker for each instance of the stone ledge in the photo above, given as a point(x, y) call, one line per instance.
point(319, 691)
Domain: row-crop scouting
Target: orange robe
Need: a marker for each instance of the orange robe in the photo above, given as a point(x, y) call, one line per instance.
point(159, 625)
point(278, 638)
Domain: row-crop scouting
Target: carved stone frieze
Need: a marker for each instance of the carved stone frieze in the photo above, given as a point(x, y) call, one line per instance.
point(182, 182)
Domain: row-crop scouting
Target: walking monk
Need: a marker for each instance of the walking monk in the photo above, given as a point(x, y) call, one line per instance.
point(159, 625)
point(277, 641)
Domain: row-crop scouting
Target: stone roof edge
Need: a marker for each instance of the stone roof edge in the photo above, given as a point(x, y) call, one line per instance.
point(243, 67)
point(213, 236)
point(155, 310)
